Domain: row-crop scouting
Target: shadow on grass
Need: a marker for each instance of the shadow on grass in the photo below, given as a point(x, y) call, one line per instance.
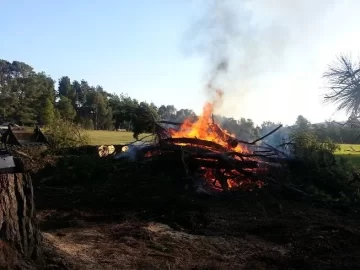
point(354, 159)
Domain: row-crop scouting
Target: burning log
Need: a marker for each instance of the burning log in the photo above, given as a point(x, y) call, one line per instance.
point(232, 142)
point(195, 142)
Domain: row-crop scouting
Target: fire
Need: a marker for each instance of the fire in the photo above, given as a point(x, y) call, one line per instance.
point(244, 184)
point(207, 153)
point(205, 129)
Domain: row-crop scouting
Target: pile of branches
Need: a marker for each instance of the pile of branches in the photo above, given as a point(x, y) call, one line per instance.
point(201, 162)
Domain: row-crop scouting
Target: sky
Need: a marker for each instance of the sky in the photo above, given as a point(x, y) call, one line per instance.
point(167, 51)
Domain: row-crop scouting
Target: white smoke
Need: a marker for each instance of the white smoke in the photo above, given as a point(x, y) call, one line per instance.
point(243, 41)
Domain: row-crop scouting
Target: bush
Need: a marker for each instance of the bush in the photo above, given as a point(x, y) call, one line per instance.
point(309, 148)
point(64, 133)
point(321, 173)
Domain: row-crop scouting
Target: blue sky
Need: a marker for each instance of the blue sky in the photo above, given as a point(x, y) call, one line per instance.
point(137, 47)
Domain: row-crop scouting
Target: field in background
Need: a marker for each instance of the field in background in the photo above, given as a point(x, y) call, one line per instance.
point(349, 149)
point(350, 152)
point(99, 137)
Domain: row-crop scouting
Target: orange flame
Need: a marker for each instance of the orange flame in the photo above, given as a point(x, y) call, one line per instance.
point(205, 129)
point(201, 129)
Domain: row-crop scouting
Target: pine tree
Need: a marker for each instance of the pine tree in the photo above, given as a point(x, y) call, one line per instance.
point(48, 113)
point(66, 108)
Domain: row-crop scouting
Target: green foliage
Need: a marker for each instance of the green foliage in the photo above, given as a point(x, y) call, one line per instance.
point(306, 145)
point(66, 89)
point(320, 172)
point(145, 120)
point(243, 129)
point(48, 113)
point(102, 112)
point(63, 133)
point(66, 109)
point(328, 130)
point(302, 123)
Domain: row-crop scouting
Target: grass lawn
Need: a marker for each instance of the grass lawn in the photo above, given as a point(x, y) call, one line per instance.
point(349, 151)
point(98, 137)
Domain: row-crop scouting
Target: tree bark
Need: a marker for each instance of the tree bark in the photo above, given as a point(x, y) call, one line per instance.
point(19, 233)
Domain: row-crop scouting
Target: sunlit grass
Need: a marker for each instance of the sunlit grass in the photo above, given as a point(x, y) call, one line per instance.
point(99, 137)
point(350, 152)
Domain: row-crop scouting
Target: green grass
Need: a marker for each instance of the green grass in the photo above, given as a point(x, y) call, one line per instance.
point(349, 151)
point(99, 137)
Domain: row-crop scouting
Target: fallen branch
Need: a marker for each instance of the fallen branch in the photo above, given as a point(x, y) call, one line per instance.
point(22, 154)
point(266, 135)
point(170, 123)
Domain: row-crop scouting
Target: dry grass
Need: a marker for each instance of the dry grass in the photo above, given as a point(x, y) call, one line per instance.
point(299, 238)
point(154, 246)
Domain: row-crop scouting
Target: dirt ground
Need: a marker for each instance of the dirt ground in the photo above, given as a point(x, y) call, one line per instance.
point(308, 239)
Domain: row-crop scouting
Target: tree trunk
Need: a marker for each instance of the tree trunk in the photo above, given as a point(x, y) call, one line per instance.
point(19, 234)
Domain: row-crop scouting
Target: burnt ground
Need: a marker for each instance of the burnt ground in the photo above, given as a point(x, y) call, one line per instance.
point(100, 214)
point(251, 238)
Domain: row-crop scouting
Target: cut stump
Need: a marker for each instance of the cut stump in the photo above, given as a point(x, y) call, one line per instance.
point(19, 233)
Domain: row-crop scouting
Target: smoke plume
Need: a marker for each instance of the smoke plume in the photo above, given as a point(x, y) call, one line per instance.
point(242, 40)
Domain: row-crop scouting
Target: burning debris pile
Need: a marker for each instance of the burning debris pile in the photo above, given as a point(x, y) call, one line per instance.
point(207, 156)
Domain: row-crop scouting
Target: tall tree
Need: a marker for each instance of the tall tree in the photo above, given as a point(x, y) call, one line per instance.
point(76, 86)
point(66, 89)
point(26, 108)
point(48, 113)
point(302, 123)
point(66, 108)
point(101, 112)
point(5, 93)
point(5, 72)
point(21, 69)
point(84, 89)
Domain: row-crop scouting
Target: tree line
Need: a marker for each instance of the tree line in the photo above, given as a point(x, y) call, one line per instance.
point(28, 97)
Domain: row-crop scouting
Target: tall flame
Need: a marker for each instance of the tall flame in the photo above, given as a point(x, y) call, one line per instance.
point(202, 128)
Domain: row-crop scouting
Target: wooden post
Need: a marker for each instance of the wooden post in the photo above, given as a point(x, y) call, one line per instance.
point(19, 233)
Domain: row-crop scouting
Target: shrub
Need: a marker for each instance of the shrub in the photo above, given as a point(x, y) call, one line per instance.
point(308, 147)
point(321, 173)
point(64, 133)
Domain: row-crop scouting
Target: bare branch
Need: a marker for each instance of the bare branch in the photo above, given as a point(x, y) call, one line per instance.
point(343, 77)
